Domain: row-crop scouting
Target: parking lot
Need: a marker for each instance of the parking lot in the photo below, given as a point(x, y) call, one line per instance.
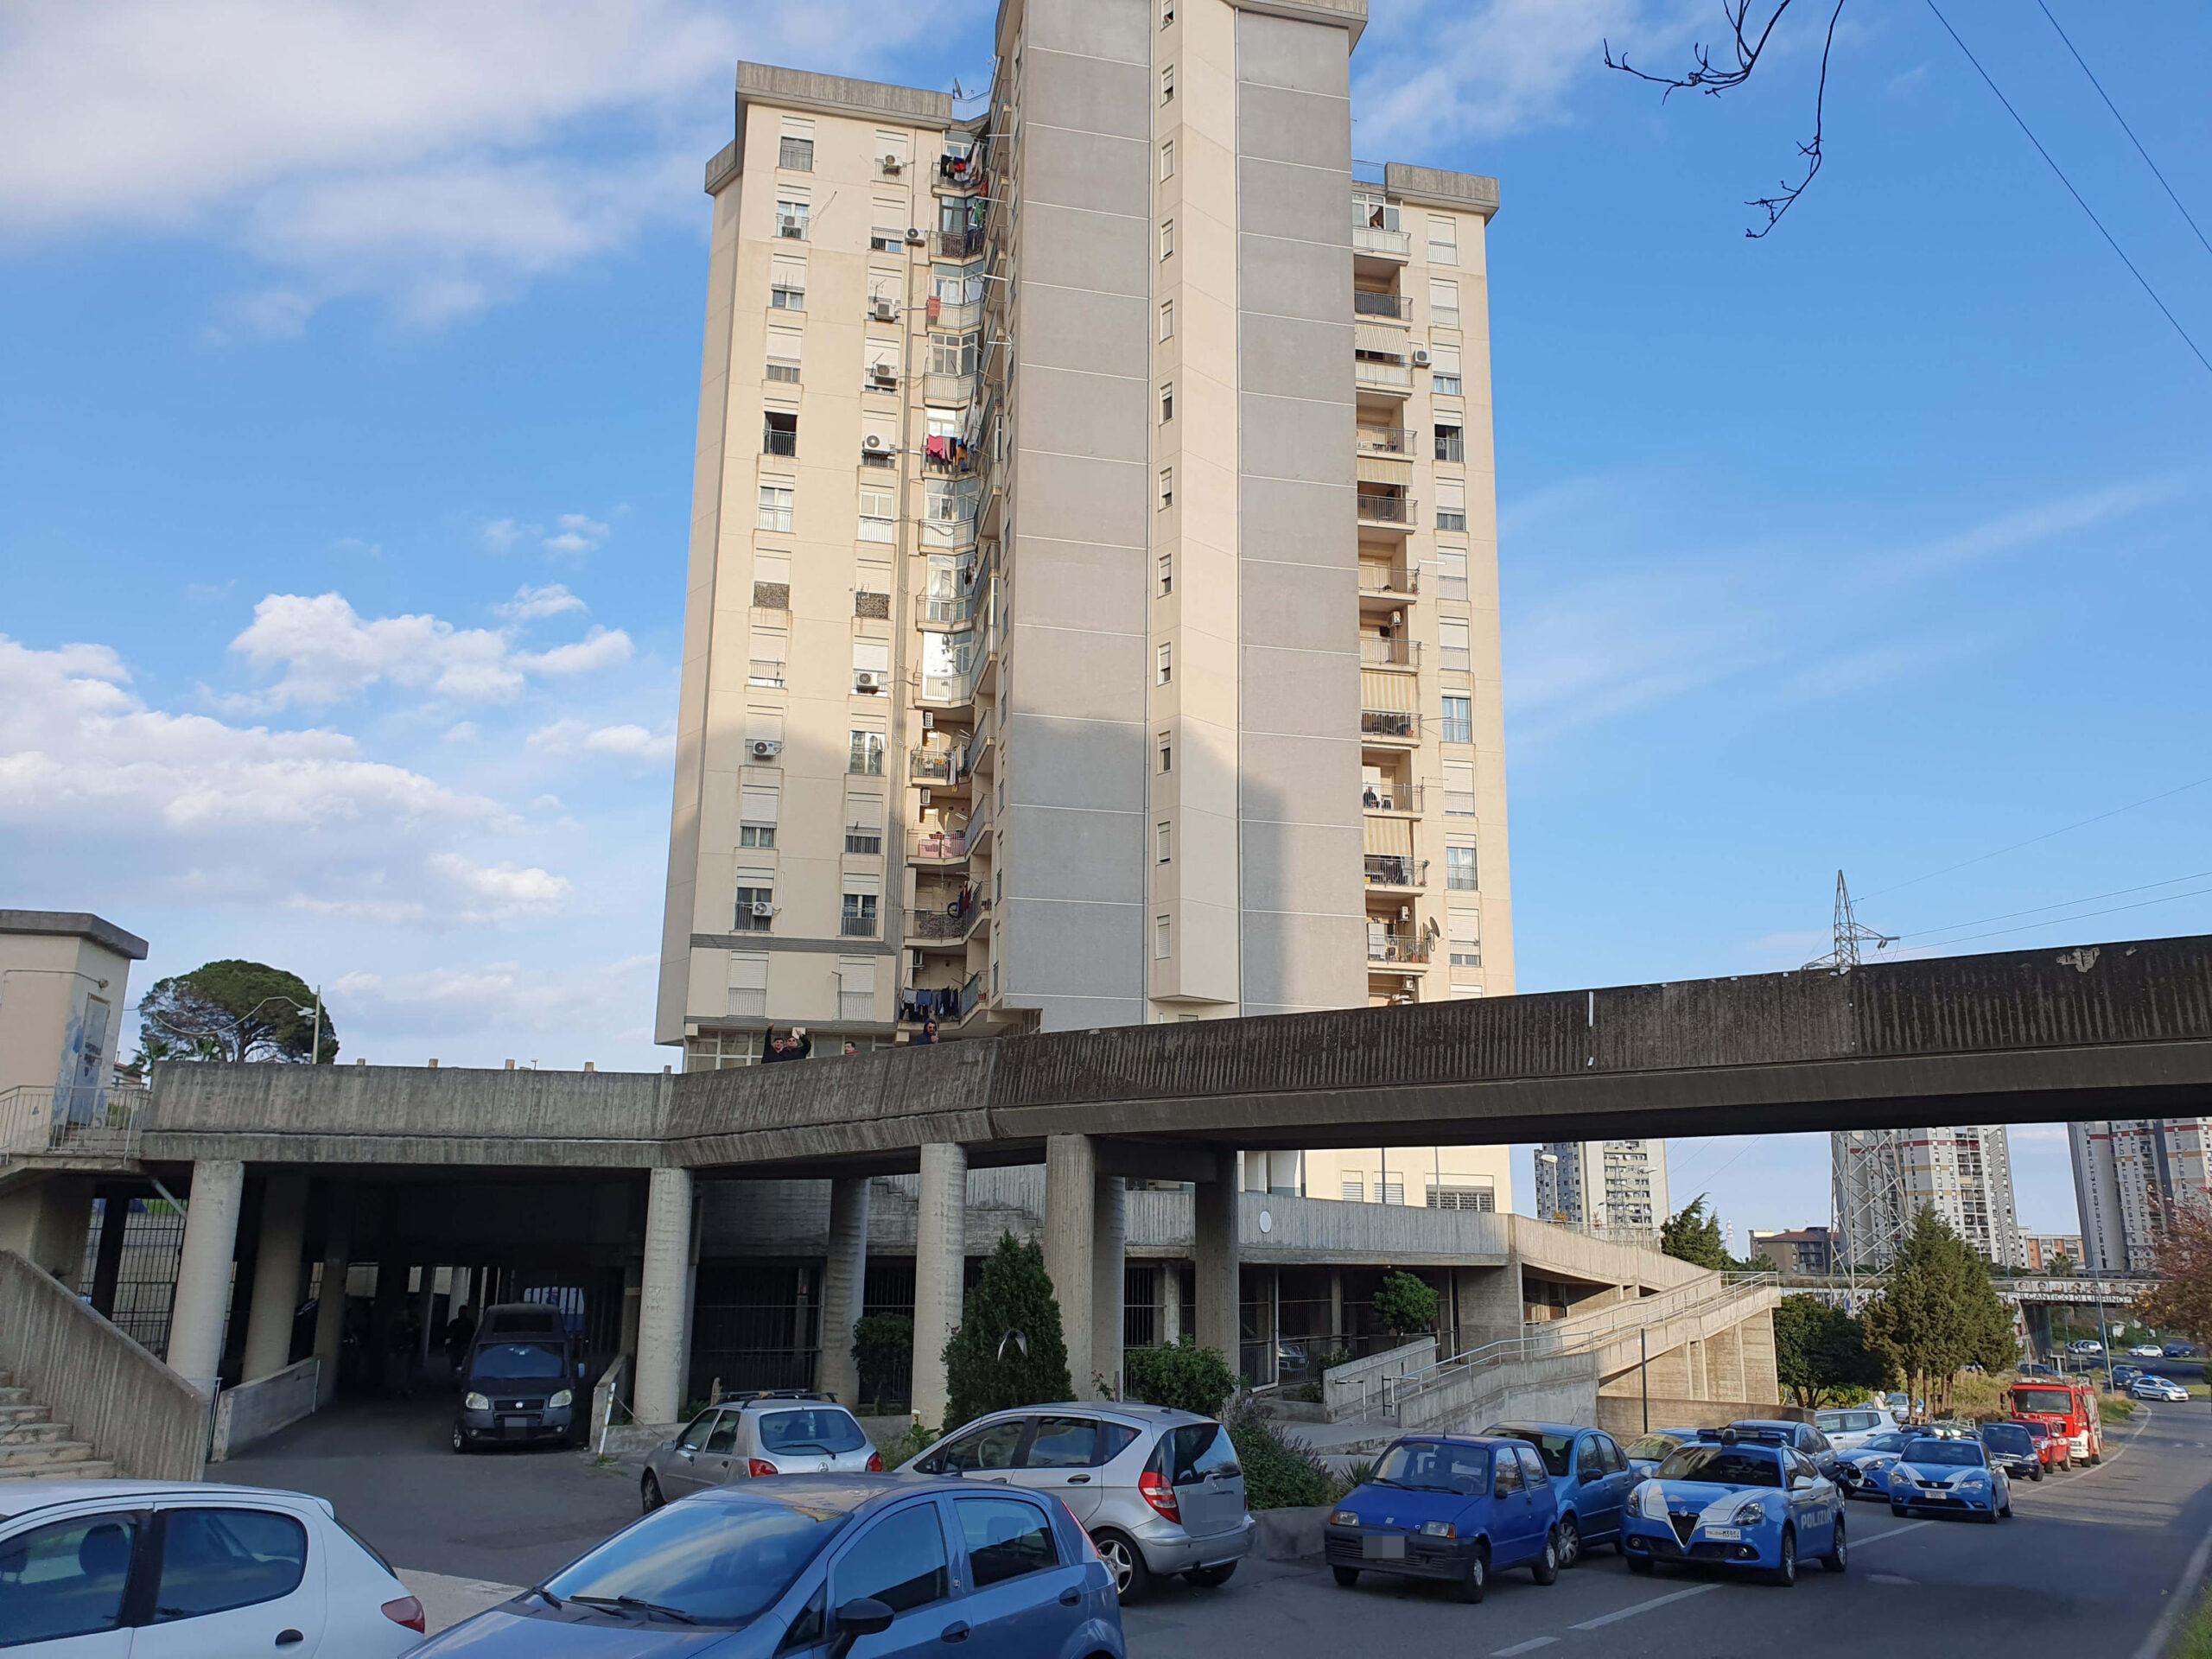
point(2088, 1565)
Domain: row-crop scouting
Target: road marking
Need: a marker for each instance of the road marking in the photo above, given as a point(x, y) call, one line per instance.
point(1529, 1646)
point(1889, 1578)
point(1645, 1607)
point(1890, 1532)
point(2183, 1598)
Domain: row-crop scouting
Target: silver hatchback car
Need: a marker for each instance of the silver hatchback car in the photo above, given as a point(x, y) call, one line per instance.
point(752, 1436)
point(1159, 1490)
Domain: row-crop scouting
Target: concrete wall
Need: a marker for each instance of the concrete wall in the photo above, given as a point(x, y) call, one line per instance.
point(1349, 1387)
point(47, 1222)
point(132, 1409)
point(1621, 1415)
point(1561, 1390)
point(253, 1411)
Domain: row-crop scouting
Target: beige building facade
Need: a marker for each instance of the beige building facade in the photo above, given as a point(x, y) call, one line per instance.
point(1092, 610)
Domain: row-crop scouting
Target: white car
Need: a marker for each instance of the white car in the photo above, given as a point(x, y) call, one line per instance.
point(2147, 1387)
point(1849, 1427)
point(2147, 1350)
point(2085, 1345)
point(102, 1569)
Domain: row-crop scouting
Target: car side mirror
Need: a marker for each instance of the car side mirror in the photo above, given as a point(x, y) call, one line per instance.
point(1589, 1475)
point(863, 1616)
point(1800, 1483)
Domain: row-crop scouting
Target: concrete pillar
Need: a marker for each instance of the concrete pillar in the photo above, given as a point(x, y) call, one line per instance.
point(940, 1266)
point(47, 1223)
point(107, 1266)
point(459, 1288)
point(203, 1270)
point(276, 1277)
point(1337, 1304)
point(426, 1316)
point(330, 1296)
point(1109, 1226)
point(664, 1298)
point(1070, 1215)
point(1217, 1266)
point(1168, 1324)
point(844, 1283)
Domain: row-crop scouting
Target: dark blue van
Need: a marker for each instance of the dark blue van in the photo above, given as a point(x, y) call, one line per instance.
point(1449, 1507)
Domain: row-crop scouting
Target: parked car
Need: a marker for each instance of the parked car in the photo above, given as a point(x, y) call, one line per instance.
point(2012, 1449)
point(813, 1564)
point(1864, 1472)
point(2147, 1387)
point(1953, 1477)
point(1648, 1452)
point(1804, 1437)
point(2085, 1346)
point(1159, 1491)
point(2070, 1408)
point(519, 1381)
point(1454, 1508)
point(1849, 1427)
point(1746, 1504)
point(2180, 1351)
point(2121, 1375)
point(1590, 1477)
point(2057, 1452)
point(2147, 1350)
point(2037, 1368)
point(218, 1570)
point(753, 1436)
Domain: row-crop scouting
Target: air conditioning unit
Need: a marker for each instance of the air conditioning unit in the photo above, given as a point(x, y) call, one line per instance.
point(884, 310)
point(790, 227)
point(884, 374)
point(867, 681)
point(893, 165)
point(766, 748)
point(876, 443)
point(914, 238)
point(762, 910)
point(1420, 357)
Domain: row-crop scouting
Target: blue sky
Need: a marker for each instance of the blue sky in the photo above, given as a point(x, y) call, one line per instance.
point(345, 431)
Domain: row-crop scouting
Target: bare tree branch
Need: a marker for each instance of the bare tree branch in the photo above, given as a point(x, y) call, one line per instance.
point(1712, 79)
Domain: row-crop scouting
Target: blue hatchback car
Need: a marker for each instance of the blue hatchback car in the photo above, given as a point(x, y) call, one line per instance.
point(1590, 1476)
point(1739, 1501)
point(1455, 1508)
point(1951, 1474)
point(813, 1566)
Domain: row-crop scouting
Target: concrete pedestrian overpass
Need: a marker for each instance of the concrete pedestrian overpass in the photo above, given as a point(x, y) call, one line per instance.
point(2116, 1030)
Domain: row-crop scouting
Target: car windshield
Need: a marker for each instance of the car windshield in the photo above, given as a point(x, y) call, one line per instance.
point(713, 1563)
point(1959, 1453)
point(1436, 1467)
point(2058, 1402)
point(1723, 1465)
point(811, 1430)
point(1556, 1450)
point(1652, 1447)
point(515, 1362)
point(1886, 1443)
point(2003, 1437)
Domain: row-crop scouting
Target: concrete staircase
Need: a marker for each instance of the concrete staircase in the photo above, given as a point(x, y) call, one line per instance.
point(33, 1447)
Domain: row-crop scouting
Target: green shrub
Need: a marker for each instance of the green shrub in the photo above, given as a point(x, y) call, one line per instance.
point(1360, 1473)
point(2118, 1407)
point(908, 1443)
point(1404, 1305)
point(1008, 1351)
point(880, 1342)
point(1280, 1471)
point(1186, 1377)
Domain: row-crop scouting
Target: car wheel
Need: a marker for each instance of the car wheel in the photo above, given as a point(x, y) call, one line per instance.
point(1837, 1558)
point(1570, 1540)
point(1642, 1566)
point(1211, 1577)
point(1786, 1573)
point(648, 1493)
point(1132, 1577)
point(1476, 1584)
point(2095, 1458)
point(1347, 1577)
point(2037, 1474)
point(1545, 1568)
point(460, 1440)
point(2006, 1512)
point(1899, 1510)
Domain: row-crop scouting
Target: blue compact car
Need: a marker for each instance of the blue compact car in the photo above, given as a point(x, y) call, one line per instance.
point(1950, 1477)
point(1454, 1508)
point(1741, 1503)
point(810, 1566)
point(1865, 1472)
point(1590, 1477)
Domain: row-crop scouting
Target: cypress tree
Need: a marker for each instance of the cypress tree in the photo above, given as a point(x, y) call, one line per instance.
point(1009, 1349)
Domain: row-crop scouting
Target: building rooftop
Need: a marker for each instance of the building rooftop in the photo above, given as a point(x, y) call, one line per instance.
point(802, 89)
point(1468, 192)
point(75, 925)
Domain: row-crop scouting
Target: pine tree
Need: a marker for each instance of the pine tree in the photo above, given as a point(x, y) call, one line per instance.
point(1692, 1235)
point(1009, 1349)
point(1938, 1312)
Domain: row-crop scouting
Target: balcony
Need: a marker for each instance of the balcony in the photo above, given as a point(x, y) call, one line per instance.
point(938, 846)
point(761, 672)
point(1395, 308)
point(783, 371)
point(1455, 731)
point(949, 610)
point(959, 172)
point(946, 390)
point(1375, 651)
point(1382, 242)
point(1379, 511)
point(945, 693)
point(1395, 440)
point(1384, 581)
point(1398, 798)
point(1390, 728)
point(856, 927)
point(1397, 949)
point(941, 772)
point(1383, 375)
point(958, 244)
point(1395, 870)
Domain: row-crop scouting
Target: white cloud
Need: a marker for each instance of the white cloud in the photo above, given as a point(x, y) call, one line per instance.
point(2011, 532)
point(501, 534)
point(503, 891)
point(463, 731)
point(632, 742)
point(381, 912)
point(498, 1001)
point(600, 648)
point(577, 534)
point(529, 603)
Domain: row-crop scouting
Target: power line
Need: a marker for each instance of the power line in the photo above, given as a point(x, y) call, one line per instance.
point(2030, 927)
point(2070, 190)
point(2064, 904)
point(2083, 824)
point(2125, 127)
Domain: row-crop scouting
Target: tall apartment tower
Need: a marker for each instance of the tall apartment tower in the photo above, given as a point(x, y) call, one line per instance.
point(1884, 1177)
point(2128, 1175)
point(1603, 1187)
point(1092, 615)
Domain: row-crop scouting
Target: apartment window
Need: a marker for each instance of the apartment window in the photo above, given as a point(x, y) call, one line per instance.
point(1451, 505)
point(776, 506)
point(1457, 724)
point(1161, 841)
point(864, 839)
point(1167, 402)
point(871, 667)
point(1167, 12)
point(1162, 938)
point(785, 297)
point(865, 756)
point(1166, 664)
point(797, 154)
point(1168, 158)
point(1452, 578)
point(953, 353)
point(1167, 486)
point(1167, 237)
point(1167, 85)
point(855, 989)
point(780, 432)
point(1168, 319)
point(1458, 789)
point(749, 985)
point(879, 513)
point(1444, 370)
point(1462, 1197)
point(1166, 752)
point(1452, 651)
point(762, 836)
point(755, 907)
point(1166, 574)
point(1443, 241)
point(1443, 303)
point(791, 219)
point(1459, 869)
point(885, 238)
point(1451, 443)
point(858, 919)
point(783, 354)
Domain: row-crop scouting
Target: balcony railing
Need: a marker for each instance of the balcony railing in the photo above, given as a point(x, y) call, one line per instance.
point(943, 388)
point(783, 369)
point(1386, 509)
point(762, 673)
point(856, 927)
point(778, 442)
point(1376, 653)
point(1390, 726)
point(1451, 519)
point(1397, 947)
point(1398, 305)
point(94, 1118)
point(1385, 440)
point(1384, 579)
point(955, 609)
point(1455, 731)
point(945, 690)
point(1451, 445)
point(1379, 374)
point(958, 244)
point(1391, 797)
point(943, 767)
point(1374, 239)
point(1395, 870)
point(938, 846)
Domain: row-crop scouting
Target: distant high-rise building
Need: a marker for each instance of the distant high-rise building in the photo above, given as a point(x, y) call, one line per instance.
point(1799, 1249)
point(1603, 1185)
point(1884, 1177)
point(2041, 1250)
point(2128, 1175)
